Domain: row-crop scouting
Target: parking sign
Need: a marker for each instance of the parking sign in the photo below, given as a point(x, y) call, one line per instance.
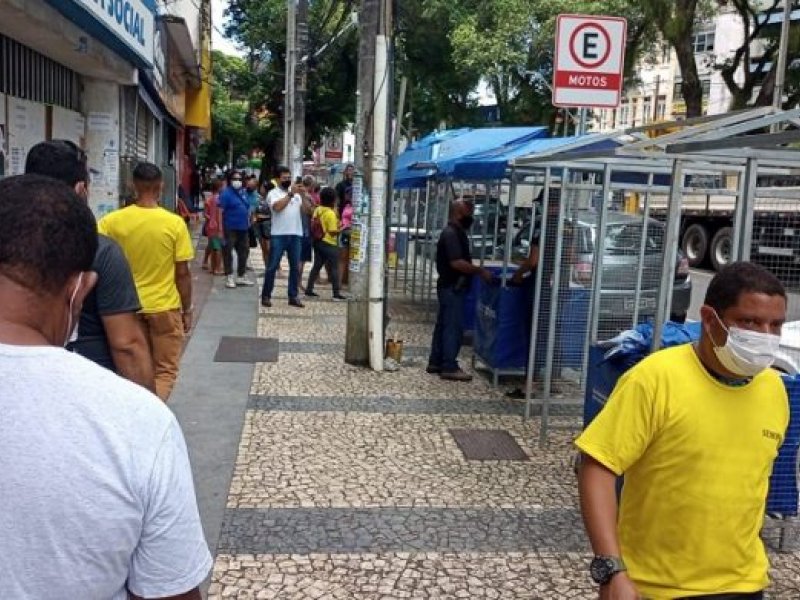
point(590, 57)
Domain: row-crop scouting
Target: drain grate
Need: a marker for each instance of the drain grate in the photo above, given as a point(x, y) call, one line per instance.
point(247, 350)
point(488, 444)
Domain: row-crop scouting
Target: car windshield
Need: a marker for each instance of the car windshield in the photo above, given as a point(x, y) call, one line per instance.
point(625, 238)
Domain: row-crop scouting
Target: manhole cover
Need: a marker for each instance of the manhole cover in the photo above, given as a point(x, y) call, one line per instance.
point(247, 350)
point(487, 444)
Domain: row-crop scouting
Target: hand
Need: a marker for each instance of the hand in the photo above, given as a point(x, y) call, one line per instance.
point(619, 588)
point(517, 278)
point(486, 275)
point(187, 321)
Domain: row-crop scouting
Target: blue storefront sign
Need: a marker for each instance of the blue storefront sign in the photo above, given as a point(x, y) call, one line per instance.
point(127, 26)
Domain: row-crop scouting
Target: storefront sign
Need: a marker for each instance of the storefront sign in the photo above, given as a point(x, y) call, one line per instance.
point(132, 21)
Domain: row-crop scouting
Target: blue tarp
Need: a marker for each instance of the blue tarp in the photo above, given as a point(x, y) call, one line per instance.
point(493, 164)
point(441, 151)
point(423, 150)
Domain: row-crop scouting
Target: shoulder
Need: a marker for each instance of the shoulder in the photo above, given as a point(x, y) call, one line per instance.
point(109, 255)
point(670, 361)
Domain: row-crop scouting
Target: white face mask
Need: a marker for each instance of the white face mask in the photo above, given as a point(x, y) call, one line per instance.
point(72, 331)
point(237, 185)
point(747, 353)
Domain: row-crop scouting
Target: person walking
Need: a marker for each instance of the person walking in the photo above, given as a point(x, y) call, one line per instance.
point(307, 210)
point(455, 269)
point(109, 332)
point(325, 224)
point(214, 230)
point(695, 430)
point(236, 223)
point(98, 499)
point(286, 204)
point(158, 248)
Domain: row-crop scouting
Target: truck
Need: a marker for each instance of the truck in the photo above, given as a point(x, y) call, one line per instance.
point(707, 220)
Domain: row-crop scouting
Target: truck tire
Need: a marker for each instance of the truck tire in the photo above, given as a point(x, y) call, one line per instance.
point(721, 248)
point(695, 244)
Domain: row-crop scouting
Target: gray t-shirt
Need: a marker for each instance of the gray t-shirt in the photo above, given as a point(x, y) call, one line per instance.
point(96, 492)
point(114, 293)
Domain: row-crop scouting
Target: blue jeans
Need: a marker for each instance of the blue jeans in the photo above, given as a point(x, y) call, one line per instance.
point(290, 244)
point(449, 330)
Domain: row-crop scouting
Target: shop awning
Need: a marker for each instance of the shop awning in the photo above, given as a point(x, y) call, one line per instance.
point(181, 43)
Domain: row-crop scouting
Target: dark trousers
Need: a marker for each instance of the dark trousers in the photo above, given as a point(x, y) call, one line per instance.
point(449, 330)
point(290, 244)
point(238, 240)
point(328, 255)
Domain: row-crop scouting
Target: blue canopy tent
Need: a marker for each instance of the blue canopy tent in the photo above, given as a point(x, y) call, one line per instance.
point(423, 150)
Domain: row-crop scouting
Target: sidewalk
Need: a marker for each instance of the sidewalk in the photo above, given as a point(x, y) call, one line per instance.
point(316, 479)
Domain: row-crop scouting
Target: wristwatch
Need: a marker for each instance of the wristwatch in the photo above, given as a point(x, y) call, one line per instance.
point(603, 568)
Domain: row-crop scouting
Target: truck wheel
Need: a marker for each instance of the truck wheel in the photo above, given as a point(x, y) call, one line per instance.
point(695, 244)
point(721, 248)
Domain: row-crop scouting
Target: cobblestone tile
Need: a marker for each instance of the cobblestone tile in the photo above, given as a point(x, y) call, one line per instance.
point(538, 575)
point(329, 459)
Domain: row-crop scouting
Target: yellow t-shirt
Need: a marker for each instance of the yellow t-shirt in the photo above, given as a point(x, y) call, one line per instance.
point(697, 456)
point(153, 240)
point(330, 222)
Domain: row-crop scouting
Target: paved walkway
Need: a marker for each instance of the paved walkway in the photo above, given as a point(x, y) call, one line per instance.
point(321, 480)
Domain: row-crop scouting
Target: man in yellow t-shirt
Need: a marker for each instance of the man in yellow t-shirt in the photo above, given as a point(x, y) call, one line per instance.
point(326, 248)
point(695, 430)
point(157, 245)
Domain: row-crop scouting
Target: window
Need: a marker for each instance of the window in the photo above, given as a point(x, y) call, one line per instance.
point(703, 42)
point(677, 91)
point(666, 53)
point(634, 110)
point(661, 108)
point(625, 238)
point(647, 109)
point(624, 114)
point(705, 84)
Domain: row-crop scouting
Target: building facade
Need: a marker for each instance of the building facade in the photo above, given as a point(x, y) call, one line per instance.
point(120, 78)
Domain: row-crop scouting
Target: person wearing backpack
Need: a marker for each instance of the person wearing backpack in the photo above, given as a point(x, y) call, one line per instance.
point(325, 233)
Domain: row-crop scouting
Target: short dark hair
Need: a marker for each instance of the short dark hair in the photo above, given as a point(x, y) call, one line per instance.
point(281, 170)
point(327, 196)
point(725, 288)
point(146, 172)
point(41, 247)
point(59, 159)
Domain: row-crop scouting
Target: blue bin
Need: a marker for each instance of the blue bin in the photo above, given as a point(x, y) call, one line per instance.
point(603, 375)
point(502, 334)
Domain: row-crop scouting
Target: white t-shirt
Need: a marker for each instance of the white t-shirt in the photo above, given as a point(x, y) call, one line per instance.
point(288, 221)
point(96, 492)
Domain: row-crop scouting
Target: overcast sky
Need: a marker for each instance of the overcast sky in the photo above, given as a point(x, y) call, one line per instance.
point(218, 40)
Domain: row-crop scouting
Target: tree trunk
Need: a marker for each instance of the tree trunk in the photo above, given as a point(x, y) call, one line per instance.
point(691, 90)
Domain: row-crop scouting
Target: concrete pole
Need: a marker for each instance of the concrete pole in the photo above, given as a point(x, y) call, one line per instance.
point(301, 70)
point(357, 341)
point(289, 85)
point(783, 51)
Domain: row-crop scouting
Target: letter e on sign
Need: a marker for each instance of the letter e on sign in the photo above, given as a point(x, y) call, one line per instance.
point(589, 61)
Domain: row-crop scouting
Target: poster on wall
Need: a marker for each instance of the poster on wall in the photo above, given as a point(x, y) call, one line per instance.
point(3, 153)
point(26, 127)
point(69, 125)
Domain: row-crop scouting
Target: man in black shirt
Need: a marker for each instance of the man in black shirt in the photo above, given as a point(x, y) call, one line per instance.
point(343, 186)
point(455, 268)
point(109, 332)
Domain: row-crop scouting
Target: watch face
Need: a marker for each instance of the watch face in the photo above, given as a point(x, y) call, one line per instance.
point(601, 569)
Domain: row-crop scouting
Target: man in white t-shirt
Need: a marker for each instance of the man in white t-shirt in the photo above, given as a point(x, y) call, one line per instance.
point(286, 204)
point(96, 492)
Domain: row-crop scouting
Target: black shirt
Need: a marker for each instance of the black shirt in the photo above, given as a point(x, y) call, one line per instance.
point(114, 293)
point(341, 192)
point(453, 244)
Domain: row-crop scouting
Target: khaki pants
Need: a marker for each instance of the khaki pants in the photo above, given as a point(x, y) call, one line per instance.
point(165, 335)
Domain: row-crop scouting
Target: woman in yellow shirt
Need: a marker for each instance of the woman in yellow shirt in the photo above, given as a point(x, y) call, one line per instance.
point(325, 231)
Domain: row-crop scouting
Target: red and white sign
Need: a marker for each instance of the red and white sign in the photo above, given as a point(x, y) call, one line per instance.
point(333, 148)
point(590, 56)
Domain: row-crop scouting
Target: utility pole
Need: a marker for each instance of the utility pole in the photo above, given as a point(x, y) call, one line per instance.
point(783, 51)
point(301, 80)
point(357, 338)
point(290, 81)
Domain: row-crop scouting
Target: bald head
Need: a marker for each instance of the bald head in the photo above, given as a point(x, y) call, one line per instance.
point(460, 209)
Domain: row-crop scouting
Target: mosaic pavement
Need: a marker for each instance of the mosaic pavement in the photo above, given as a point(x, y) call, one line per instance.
point(348, 484)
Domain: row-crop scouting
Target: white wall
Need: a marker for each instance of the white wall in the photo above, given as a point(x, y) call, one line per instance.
point(101, 102)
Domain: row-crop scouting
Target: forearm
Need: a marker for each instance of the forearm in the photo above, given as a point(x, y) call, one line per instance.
point(464, 266)
point(598, 496)
point(133, 362)
point(183, 281)
point(281, 204)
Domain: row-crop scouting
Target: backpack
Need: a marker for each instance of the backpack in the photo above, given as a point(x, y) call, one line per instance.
point(317, 230)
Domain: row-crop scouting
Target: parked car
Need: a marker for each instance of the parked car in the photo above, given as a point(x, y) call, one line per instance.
point(620, 266)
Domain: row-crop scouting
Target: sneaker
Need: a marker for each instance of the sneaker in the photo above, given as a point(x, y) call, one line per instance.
point(296, 303)
point(229, 282)
point(433, 369)
point(266, 302)
point(458, 375)
point(311, 294)
point(245, 281)
point(339, 298)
